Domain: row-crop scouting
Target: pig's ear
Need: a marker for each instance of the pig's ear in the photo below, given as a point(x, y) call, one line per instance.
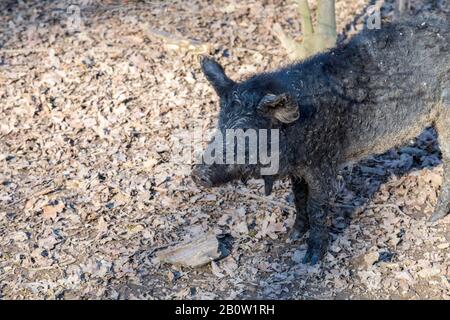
point(215, 75)
point(281, 107)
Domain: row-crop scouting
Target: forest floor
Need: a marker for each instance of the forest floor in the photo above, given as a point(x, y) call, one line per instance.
point(95, 96)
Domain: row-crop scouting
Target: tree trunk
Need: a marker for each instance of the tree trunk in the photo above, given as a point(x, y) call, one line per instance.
point(314, 41)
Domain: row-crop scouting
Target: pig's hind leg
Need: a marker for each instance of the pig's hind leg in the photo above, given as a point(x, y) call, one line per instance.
point(443, 129)
point(301, 225)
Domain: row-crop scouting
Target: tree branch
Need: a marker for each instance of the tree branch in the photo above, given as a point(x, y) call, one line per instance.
point(305, 17)
point(326, 24)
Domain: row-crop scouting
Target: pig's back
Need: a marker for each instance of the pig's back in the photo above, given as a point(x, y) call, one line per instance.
point(391, 91)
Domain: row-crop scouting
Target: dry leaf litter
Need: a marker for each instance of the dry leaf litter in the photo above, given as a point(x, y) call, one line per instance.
point(90, 111)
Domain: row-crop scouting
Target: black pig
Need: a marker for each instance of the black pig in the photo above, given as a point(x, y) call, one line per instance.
point(364, 97)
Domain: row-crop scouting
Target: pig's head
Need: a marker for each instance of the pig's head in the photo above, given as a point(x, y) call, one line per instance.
point(248, 105)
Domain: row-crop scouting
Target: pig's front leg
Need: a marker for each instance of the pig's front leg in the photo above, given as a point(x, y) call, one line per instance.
point(317, 210)
point(301, 225)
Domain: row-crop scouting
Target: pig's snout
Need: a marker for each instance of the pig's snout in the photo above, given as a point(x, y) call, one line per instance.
point(214, 175)
point(201, 175)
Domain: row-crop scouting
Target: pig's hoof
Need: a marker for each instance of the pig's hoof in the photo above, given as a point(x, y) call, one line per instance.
point(312, 256)
point(316, 251)
point(297, 232)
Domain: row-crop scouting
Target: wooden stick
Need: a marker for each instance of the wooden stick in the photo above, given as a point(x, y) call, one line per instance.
point(180, 42)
